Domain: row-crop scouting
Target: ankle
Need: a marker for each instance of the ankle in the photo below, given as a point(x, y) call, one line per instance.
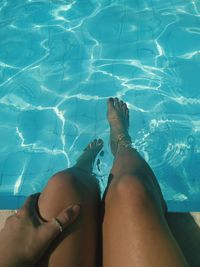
point(123, 143)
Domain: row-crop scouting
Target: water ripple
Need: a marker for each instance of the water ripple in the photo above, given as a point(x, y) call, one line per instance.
point(61, 60)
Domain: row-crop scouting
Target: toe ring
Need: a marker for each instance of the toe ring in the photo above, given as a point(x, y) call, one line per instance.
point(59, 224)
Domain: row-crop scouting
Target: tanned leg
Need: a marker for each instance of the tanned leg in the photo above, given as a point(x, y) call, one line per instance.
point(135, 231)
point(77, 246)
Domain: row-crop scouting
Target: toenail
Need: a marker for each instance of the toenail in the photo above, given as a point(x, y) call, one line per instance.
point(102, 153)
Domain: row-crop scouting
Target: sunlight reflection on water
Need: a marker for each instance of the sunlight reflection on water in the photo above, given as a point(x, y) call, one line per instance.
point(61, 60)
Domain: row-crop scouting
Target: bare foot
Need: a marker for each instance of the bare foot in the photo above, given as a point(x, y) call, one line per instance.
point(86, 161)
point(118, 117)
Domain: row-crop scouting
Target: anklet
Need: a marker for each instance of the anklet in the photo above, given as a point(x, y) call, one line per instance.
point(122, 141)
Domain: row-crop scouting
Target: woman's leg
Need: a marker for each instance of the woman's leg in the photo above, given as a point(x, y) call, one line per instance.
point(135, 232)
point(77, 246)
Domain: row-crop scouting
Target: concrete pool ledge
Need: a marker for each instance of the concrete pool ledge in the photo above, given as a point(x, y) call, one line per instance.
point(196, 216)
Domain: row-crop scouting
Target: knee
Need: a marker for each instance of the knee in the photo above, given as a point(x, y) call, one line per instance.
point(66, 188)
point(60, 180)
point(59, 191)
point(129, 189)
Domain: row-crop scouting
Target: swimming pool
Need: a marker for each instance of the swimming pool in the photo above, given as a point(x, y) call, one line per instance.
point(61, 60)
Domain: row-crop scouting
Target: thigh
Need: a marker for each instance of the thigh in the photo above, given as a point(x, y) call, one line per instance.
point(134, 233)
point(78, 245)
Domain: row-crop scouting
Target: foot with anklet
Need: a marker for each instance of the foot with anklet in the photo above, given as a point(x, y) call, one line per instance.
point(118, 118)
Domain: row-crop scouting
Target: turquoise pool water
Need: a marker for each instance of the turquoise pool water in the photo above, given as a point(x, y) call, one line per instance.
point(61, 60)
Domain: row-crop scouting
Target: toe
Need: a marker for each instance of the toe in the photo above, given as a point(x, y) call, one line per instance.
point(93, 143)
point(127, 112)
point(100, 142)
point(117, 103)
point(124, 107)
point(127, 116)
point(110, 104)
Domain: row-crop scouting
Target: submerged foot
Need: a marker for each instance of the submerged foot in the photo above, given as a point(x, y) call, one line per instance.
point(118, 118)
point(86, 161)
